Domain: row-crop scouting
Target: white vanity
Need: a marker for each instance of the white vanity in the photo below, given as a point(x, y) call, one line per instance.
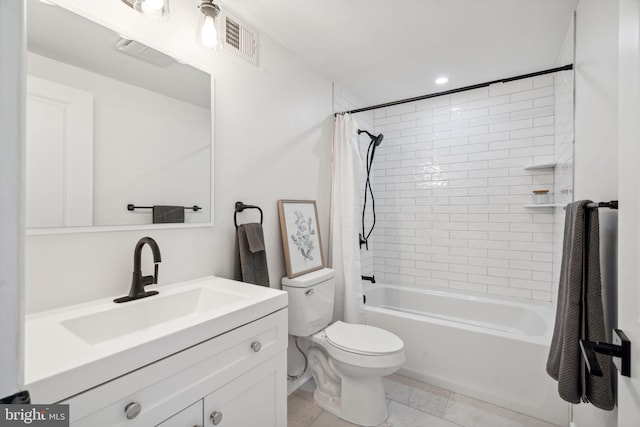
point(205, 352)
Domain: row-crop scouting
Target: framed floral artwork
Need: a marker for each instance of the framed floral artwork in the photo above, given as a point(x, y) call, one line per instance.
point(300, 236)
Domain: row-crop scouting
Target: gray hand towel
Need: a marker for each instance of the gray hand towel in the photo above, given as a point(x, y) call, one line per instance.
point(579, 313)
point(251, 257)
point(168, 214)
point(255, 237)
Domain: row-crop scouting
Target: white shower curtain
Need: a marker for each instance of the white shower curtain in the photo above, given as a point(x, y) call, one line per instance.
point(344, 252)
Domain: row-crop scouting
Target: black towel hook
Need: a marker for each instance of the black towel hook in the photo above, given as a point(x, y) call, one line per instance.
point(240, 207)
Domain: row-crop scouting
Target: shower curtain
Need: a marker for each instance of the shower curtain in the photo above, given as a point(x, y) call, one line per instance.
point(344, 252)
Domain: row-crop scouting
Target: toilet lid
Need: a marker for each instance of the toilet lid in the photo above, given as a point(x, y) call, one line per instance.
point(362, 339)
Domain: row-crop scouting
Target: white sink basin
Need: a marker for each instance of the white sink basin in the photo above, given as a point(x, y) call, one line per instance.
point(154, 311)
point(75, 348)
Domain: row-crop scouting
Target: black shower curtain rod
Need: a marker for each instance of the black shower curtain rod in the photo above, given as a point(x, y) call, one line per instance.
point(462, 89)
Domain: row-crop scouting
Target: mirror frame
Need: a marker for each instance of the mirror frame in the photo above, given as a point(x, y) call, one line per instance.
point(140, 227)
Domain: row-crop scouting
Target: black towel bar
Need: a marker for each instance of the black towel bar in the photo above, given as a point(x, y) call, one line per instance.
point(240, 207)
point(611, 205)
point(131, 207)
point(620, 350)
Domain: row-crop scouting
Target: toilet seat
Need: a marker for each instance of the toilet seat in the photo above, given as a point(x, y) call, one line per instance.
point(364, 340)
point(388, 352)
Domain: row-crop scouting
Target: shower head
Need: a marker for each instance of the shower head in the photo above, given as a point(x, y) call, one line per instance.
point(376, 139)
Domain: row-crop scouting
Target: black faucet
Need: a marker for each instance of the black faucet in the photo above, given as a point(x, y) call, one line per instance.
point(371, 278)
point(138, 282)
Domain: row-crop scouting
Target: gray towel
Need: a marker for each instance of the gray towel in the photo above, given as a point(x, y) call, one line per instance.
point(580, 313)
point(251, 257)
point(168, 214)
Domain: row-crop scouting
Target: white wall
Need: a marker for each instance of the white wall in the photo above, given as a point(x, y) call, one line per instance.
point(149, 149)
point(596, 149)
point(12, 111)
point(628, 180)
point(272, 140)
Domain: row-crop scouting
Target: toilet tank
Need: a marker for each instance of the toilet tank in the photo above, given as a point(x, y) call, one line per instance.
point(310, 301)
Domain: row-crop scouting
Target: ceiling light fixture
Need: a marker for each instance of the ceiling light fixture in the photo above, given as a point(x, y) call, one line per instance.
point(442, 80)
point(209, 33)
point(155, 9)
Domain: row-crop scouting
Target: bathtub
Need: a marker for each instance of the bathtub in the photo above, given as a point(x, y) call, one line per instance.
point(491, 349)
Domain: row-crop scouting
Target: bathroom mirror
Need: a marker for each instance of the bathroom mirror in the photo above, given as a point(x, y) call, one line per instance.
point(111, 123)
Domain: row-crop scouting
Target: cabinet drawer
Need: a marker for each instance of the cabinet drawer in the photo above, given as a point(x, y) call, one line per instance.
point(165, 387)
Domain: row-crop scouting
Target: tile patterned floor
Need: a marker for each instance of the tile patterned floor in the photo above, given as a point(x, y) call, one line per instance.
point(413, 404)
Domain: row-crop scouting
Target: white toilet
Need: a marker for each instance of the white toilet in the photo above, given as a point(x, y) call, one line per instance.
point(346, 360)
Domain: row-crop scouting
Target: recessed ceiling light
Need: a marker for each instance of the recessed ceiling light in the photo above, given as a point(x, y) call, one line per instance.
point(47, 2)
point(442, 80)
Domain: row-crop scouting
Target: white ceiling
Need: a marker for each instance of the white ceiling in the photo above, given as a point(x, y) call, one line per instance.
point(388, 50)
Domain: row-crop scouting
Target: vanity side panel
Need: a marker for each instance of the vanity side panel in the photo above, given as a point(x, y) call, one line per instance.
point(12, 112)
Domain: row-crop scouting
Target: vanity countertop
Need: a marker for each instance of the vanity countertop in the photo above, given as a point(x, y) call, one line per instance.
point(72, 349)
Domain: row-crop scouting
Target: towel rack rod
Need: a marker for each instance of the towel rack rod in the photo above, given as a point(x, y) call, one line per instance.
point(131, 207)
point(613, 204)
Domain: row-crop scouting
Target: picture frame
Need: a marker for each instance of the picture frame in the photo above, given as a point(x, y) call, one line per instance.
point(301, 239)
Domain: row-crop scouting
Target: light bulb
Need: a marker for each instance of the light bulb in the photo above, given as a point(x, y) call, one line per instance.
point(152, 5)
point(208, 32)
point(154, 9)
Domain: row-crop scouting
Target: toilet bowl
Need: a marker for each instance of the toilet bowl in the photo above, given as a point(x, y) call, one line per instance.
point(347, 361)
point(358, 356)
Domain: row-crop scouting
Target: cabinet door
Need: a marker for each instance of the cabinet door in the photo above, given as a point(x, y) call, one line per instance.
point(256, 398)
point(188, 417)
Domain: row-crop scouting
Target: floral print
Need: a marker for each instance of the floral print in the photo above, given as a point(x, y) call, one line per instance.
point(304, 236)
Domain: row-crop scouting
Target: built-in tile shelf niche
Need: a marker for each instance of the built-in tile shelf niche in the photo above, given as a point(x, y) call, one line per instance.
point(540, 205)
point(540, 166)
point(535, 167)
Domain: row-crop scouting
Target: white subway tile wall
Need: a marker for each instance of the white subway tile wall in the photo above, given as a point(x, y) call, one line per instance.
point(450, 188)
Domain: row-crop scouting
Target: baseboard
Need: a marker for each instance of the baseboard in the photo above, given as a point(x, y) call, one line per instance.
point(294, 385)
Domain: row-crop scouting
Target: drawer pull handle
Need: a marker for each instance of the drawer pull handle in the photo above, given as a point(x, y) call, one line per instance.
point(216, 417)
point(256, 346)
point(132, 410)
point(310, 292)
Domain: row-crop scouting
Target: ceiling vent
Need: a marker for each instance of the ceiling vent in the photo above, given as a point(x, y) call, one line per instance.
point(241, 39)
point(143, 52)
